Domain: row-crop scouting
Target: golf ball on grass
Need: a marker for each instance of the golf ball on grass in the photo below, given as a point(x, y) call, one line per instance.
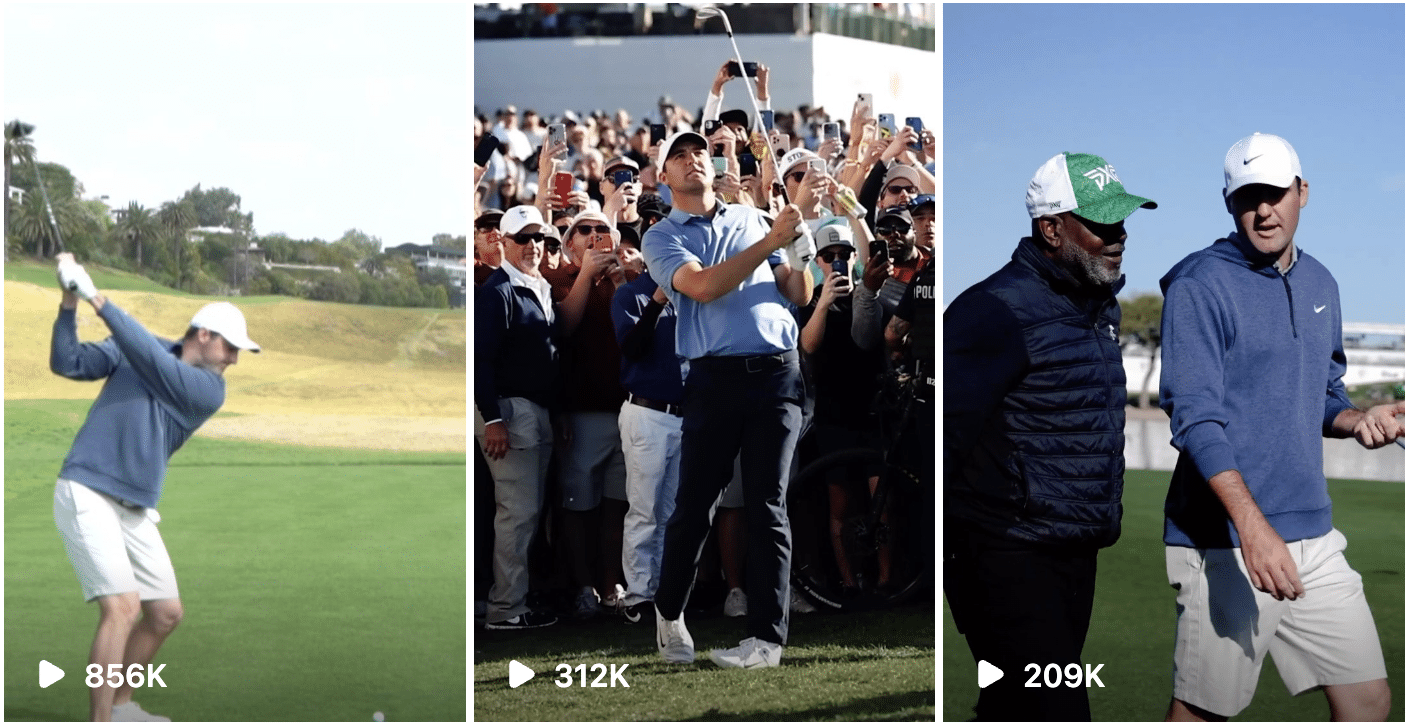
point(378, 716)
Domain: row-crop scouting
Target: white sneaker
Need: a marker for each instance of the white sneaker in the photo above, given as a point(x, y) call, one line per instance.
point(615, 601)
point(799, 604)
point(131, 712)
point(750, 654)
point(736, 605)
point(673, 640)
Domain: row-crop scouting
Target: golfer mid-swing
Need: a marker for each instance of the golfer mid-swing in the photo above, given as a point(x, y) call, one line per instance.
point(157, 393)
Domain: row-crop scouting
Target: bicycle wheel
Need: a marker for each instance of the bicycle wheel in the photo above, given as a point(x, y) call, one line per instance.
point(852, 561)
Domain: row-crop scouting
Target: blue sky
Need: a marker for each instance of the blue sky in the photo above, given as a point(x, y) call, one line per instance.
point(1162, 91)
point(321, 117)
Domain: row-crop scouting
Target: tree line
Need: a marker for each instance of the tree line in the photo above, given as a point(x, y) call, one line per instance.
point(175, 245)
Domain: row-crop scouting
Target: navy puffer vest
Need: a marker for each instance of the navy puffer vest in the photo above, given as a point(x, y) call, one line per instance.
point(1048, 467)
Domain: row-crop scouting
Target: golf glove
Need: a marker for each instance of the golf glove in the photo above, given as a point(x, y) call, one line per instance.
point(74, 278)
point(801, 251)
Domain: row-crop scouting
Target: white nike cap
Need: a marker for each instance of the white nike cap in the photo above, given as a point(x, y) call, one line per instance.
point(226, 320)
point(1264, 159)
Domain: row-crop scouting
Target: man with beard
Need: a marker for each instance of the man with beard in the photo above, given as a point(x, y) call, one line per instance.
point(895, 228)
point(1034, 437)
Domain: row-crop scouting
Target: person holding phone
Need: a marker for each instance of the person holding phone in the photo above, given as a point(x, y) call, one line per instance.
point(845, 373)
point(1034, 438)
point(591, 463)
point(737, 119)
point(622, 175)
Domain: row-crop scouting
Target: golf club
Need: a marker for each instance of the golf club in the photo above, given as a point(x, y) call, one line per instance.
point(18, 130)
point(701, 15)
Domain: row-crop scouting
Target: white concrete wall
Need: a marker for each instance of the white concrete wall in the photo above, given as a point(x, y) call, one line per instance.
point(582, 74)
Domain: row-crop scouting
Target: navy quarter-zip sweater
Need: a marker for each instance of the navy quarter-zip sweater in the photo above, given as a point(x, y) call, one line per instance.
point(1034, 399)
point(1252, 365)
point(515, 346)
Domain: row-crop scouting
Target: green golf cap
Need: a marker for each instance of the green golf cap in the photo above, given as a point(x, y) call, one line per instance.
point(1084, 184)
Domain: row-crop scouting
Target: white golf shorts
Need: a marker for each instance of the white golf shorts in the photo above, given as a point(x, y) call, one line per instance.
point(114, 549)
point(1226, 626)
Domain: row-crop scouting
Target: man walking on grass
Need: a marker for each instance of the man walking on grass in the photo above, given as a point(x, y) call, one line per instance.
point(1253, 360)
point(157, 393)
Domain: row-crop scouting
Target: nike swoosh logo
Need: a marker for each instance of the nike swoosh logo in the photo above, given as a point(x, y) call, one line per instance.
point(1245, 162)
point(634, 619)
point(1318, 309)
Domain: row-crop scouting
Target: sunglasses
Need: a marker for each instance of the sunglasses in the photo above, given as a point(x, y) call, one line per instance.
point(526, 238)
point(588, 229)
point(887, 230)
point(896, 189)
point(828, 256)
point(797, 176)
point(488, 228)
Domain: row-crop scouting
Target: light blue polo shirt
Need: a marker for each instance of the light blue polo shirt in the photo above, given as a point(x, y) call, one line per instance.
point(754, 318)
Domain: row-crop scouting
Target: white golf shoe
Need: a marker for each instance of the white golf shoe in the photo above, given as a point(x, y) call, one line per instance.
point(130, 712)
point(750, 654)
point(673, 640)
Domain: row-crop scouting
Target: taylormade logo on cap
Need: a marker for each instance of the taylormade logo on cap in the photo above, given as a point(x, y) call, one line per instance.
point(1082, 183)
point(1264, 159)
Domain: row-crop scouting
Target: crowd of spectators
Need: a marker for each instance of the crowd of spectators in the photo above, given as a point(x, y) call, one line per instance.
point(866, 192)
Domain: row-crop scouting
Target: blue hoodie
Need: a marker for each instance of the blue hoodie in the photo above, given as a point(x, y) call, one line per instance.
point(1252, 367)
point(148, 408)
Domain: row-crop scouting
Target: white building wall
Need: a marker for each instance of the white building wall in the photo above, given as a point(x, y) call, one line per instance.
point(582, 74)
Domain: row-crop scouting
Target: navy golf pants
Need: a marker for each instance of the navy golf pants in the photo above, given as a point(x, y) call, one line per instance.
point(752, 404)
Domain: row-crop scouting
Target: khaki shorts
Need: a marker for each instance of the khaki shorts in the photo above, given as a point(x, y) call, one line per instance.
point(1226, 626)
point(115, 549)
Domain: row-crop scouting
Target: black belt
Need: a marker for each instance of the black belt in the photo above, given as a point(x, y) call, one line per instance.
point(749, 364)
point(658, 406)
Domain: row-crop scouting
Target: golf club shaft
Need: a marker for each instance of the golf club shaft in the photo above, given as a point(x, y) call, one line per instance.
point(1400, 443)
point(758, 122)
point(44, 192)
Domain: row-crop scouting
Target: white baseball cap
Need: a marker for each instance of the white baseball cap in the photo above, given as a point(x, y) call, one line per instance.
point(1259, 159)
point(520, 217)
point(795, 157)
point(669, 144)
point(226, 320)
point(831, 235)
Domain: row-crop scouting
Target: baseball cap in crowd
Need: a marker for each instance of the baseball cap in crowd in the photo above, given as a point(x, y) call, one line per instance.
point(520, 217)
point(619, 161)
point(226, 320)
point(1084, 184)
point(734, 116)
point(629, 234)
point(829, 235)
point(902, 171)
point(900, 213)
point(1260, 159)
point(489, 218)
point(652, 205)
point(919, 202)
point(795, 157)
point(670, 143)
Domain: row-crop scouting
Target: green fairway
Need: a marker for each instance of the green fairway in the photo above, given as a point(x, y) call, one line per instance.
point(319, 584)
point(1132, 628)
point(869, 666)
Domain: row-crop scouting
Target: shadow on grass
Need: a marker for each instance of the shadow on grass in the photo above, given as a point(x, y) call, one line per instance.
point(896, 706)
point(908, 626)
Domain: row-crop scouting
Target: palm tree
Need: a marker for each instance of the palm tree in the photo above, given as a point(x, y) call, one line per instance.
point(30, 223)
point(138, 226)
point(19, 149)
point(176, 219)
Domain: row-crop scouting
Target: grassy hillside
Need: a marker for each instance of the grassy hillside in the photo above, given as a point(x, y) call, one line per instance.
point(329, 374)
